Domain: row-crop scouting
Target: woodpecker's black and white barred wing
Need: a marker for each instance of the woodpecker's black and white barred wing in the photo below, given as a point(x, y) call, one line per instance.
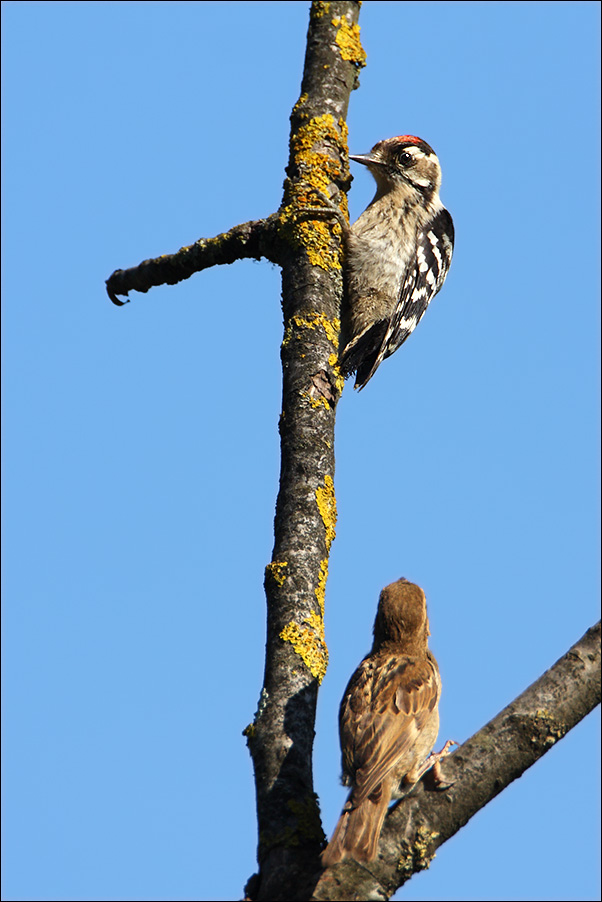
point(421, 282)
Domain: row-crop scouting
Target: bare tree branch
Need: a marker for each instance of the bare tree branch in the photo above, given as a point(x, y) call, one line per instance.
point(251, 239)
point(479, 770)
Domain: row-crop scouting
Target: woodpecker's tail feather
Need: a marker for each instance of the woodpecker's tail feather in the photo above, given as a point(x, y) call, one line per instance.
point(357, 832)
point(360, 355)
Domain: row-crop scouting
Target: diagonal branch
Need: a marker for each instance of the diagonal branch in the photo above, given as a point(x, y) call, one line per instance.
point(479, 770)
point(250, 239)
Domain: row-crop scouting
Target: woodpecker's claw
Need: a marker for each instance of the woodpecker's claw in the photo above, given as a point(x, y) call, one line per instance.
point(329, 210)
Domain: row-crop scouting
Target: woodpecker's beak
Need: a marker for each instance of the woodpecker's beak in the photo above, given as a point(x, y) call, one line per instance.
point(366, 158)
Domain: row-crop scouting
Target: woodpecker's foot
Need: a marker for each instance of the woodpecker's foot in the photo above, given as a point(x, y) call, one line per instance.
point(328, 210)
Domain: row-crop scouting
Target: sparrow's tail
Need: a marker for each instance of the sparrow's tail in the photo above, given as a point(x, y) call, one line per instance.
point(357, 832)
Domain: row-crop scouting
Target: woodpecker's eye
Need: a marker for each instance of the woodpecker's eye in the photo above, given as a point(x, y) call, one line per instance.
point(405, 158)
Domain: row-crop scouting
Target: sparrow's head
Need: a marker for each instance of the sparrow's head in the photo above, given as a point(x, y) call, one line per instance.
point(403, 161)
point(401, 614)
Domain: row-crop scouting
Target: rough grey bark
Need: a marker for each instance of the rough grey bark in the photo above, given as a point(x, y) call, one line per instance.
point(281, 736)
point(251, 239)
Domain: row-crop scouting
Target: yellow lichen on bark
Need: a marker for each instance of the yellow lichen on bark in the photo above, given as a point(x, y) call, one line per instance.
point(312, 321)
point(320, 589)
point(309, 638)
point(309, 643)
point(327, 505)
point(316, 402)
point(276, 570)
point(319, 9)
point(318, 170)
point(333, 361)
point(348, 41)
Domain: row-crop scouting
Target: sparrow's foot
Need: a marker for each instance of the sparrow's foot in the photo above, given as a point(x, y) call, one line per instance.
point(433, 763)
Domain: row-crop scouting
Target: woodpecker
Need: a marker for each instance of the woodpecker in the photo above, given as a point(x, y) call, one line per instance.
point(398, 254)
point(388, 722)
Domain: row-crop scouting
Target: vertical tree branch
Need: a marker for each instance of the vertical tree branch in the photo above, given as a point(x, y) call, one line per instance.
point(281, 736)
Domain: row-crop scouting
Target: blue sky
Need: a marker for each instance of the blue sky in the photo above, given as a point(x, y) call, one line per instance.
point(141, 446)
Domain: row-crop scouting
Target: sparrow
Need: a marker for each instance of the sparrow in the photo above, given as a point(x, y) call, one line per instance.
point(388, 722)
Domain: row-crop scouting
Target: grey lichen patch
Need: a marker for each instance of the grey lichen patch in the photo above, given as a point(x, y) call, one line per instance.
point(535, 729)
point(249, 732)
point(307, 828)
point(420, 855)
point(547, 728)
point(307, 811)
point(250, 729)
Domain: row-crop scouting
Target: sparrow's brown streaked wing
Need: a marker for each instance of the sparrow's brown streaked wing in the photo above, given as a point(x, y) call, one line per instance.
point(388, 721)
point(383, 717)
